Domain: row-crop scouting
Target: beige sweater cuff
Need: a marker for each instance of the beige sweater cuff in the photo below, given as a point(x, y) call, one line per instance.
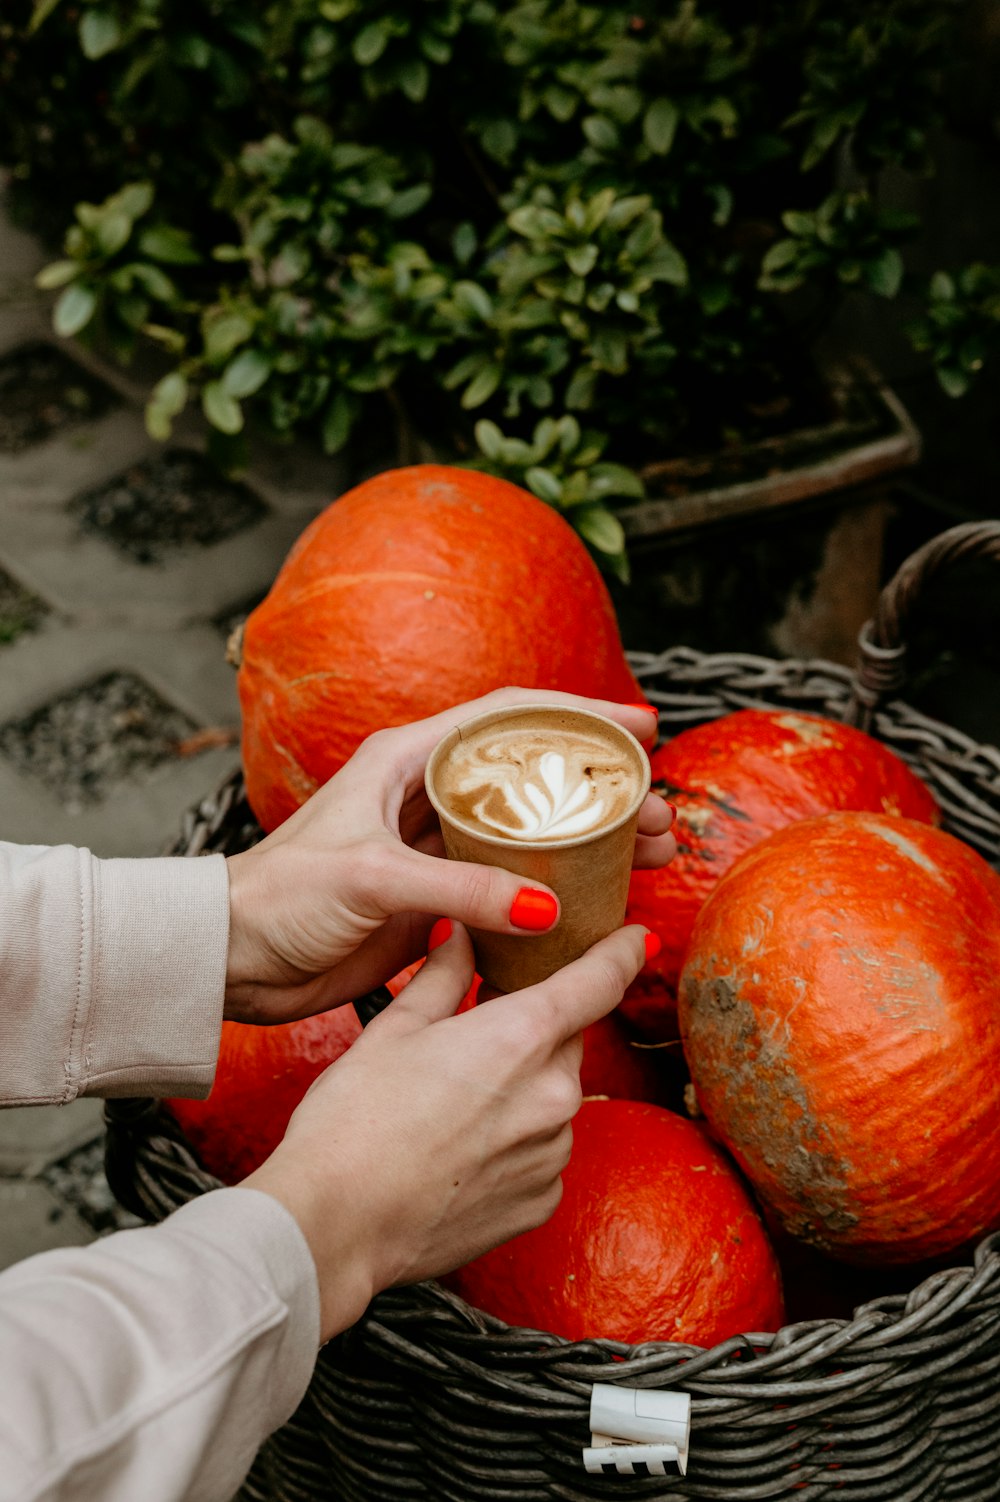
point(160, 940)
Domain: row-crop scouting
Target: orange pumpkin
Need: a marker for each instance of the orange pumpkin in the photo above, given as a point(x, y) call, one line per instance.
point(419, 589)
point(262, 1074)
point(733, 782)
point(655, 1238)
point(840, 1009)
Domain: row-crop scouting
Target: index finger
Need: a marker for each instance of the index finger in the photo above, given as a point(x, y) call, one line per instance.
point(591, 987)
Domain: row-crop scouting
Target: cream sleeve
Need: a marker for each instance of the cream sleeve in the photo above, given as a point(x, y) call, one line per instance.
point(153, 1364)
point(112, 974)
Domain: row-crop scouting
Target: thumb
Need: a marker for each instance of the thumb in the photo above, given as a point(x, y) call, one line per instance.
point(436, 991)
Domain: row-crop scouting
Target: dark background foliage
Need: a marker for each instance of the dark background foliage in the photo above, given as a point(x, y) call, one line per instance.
point(556, 239)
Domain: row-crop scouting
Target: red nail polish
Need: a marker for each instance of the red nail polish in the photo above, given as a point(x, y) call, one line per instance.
point(653, 944)
point(647, 707)
point(673, 809)
point(534, 910)
point(439, 934)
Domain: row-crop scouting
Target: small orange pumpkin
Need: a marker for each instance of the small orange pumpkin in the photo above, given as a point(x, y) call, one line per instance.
point(655, 1238)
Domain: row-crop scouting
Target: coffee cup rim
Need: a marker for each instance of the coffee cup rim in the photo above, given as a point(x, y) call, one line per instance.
point(509, 842)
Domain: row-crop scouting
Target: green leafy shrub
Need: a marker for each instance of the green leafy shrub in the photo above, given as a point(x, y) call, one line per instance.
point(555, 239)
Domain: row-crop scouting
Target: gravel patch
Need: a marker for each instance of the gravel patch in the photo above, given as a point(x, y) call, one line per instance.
point(84, 744)
point(79, 1182)
point(19, 609)
point(42, 391)
point(177, 500)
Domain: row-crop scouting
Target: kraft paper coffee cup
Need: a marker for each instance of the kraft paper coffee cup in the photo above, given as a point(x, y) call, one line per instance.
point(588, 872)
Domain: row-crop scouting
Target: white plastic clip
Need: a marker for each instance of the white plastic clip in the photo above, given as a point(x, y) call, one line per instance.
point(638, 1427)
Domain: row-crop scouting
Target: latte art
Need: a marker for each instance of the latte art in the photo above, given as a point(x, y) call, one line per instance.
point(552, 809)
point(530, 784)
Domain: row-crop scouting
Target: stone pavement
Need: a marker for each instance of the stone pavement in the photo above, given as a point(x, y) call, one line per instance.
point(103, 613)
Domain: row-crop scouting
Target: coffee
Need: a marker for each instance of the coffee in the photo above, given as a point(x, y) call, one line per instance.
point(553, 795)
point(537, 780)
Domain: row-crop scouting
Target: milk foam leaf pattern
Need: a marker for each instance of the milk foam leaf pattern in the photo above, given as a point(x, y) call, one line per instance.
point(555, 809)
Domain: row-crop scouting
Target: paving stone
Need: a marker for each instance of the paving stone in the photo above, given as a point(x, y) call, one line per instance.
point(33, 1220)
point(31, 1137)
point(20, 610)
point(174, 501)
point(43, 391)
point(186, 667)
point(85, 744)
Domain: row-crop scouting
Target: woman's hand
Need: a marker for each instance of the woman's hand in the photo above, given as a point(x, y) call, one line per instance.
point(342, 896)
point(439, 1136)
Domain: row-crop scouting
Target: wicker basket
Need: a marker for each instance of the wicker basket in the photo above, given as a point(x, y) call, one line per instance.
point(426, 1397)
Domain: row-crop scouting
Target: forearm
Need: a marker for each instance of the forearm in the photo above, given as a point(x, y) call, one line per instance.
point(153, 1364)
point(112, 974)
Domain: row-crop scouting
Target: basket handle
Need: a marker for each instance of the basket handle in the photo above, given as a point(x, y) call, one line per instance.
point(881, 668)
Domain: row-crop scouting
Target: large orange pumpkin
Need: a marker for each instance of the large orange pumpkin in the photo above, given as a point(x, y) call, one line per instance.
point(733, 782)
point(262, 1074)
point(419, 589)
point(840, 1009)
point(655, 1238)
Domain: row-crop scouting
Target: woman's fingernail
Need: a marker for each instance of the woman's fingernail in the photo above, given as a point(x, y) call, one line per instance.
point(439, 934)
point(653, 944)
point(533, 910)
point(647, 707)
point(673, 810)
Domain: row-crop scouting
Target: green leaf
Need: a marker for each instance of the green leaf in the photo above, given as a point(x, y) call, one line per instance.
point(74, 310)
point(953, 382)
point(885, 274)
point(135, 199)
point(473, 300)
point(660, 125)
point(543, 483)
point(561, 103)
point(43, 9)
point(167, 399)
point(580, 391)
point(600, 527)
point(370, 43)
point(155, 281)
point(482, 387)
point(499, 139)
point(780, 255)
point(464, 242)
point(798, 223)
point(337, 423)
point(222, 335)
point(245, 374)
point(163, 242)
point(56, 274)
point(99, 33)
point(489, 438)
point(601, 132)
point(616, 480)
point(569, 434)
point(220, 409)
point(414, 78)
point(408, 201)
point(582, 259)
point(667, 265)
point(113, 232)
point(942, 286)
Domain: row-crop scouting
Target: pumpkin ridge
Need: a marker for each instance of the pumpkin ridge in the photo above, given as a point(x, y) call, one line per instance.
point(377, 579)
